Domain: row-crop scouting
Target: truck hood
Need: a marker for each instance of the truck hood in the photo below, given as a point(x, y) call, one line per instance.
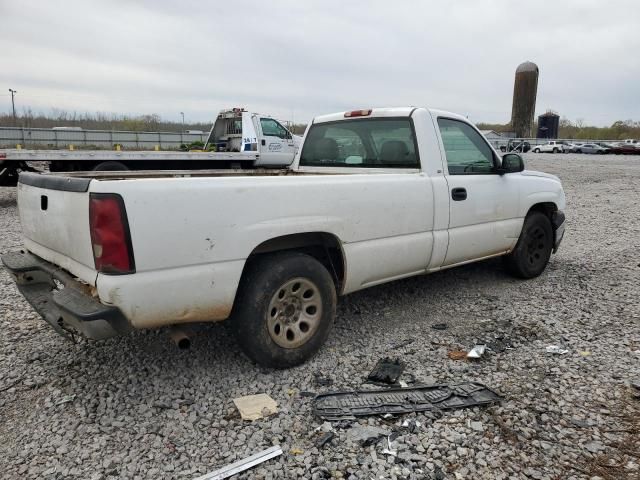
point(534, 173)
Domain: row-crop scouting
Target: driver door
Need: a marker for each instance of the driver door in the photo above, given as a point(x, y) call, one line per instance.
point(483, 205)
point(276, 146)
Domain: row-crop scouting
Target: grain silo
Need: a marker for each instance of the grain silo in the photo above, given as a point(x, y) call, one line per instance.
point(548, 125)
point(525, 89)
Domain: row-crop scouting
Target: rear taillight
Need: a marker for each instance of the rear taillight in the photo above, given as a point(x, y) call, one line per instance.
point(110, 238)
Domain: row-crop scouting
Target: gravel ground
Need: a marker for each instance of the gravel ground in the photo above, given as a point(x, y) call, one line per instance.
point(136, 407)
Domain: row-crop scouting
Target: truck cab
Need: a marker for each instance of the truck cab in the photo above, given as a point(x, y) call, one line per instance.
point(236, 130)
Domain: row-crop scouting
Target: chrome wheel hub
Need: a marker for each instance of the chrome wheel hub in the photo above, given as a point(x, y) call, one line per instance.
point(294, 313)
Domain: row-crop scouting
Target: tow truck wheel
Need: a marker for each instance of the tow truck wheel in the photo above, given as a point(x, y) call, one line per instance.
point(533, 250)
point(110, 166)
point(284, 309)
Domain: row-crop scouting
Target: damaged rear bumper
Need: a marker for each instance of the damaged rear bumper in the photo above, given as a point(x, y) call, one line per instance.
point(65, 303)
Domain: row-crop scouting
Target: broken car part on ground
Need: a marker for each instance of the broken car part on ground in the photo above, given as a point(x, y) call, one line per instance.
point(352, 404)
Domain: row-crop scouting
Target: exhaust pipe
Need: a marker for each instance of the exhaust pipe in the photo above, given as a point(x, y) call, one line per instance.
point(182, 338)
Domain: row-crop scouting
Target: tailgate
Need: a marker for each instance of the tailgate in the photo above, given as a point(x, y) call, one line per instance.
point(54, 212)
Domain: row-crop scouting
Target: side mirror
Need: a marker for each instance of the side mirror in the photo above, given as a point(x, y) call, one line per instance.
point(511, 163)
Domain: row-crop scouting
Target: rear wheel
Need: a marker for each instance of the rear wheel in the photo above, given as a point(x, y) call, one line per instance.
point(555, 150)
point(533, 250)
point(110, 166)
point(284, 309)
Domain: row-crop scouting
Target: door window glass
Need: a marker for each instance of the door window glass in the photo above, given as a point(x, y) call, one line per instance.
point(465, 149)
point(271, 128)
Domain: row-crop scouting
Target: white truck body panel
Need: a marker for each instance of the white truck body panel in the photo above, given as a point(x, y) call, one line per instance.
point(191, 237)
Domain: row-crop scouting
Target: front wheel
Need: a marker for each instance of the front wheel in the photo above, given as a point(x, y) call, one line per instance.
point(533, 250)
point(536, 150)
point(284, 309)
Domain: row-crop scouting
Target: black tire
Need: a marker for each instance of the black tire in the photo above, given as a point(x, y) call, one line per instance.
point(269, 338)
point(536, 150)
point(578, 151)
point(555, 150)
point(533, 250)
point(110, 166)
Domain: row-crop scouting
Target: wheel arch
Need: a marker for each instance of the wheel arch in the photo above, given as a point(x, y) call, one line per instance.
point(551, 211)
point(323, 246)
point(547, 208)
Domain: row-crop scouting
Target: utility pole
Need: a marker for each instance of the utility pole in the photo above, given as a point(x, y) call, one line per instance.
point(182, 113)
point(13, 106)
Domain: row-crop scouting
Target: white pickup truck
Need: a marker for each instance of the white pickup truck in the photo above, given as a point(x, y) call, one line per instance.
point(549, 147)
point(373, 196)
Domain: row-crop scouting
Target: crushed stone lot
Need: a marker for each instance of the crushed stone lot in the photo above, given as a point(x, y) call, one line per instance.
point(137, 407)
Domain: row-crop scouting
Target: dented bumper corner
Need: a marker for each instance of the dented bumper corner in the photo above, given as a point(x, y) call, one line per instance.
point(65, 303)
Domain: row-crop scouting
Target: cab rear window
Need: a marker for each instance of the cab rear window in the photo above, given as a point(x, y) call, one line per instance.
point(362, 143)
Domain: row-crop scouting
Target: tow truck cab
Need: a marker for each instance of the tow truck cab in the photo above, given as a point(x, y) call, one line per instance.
point(237, 130)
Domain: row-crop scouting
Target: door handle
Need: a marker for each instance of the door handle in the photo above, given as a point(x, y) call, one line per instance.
point(264, 142)
point(458, 194)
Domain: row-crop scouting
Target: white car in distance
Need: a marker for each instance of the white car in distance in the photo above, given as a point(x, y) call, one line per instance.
point(549, 147)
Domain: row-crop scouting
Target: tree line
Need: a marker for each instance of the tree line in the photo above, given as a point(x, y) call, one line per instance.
point(579, 130)
point(98, 121)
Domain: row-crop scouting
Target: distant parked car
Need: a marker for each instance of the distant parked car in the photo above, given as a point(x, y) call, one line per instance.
point(518, 145)
point(592, 148)
point(571, 147)
point(549, 147)
point(624, 149)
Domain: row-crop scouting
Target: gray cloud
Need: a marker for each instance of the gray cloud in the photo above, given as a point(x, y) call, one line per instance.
point(300, 59)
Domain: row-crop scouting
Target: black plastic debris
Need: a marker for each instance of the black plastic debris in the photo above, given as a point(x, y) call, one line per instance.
point(324, 439)
point(323, 381)
point(439, 326)
point(500, 344)
point(366, 435)
point(349, 405)
point(403, 343)
point(386, 371)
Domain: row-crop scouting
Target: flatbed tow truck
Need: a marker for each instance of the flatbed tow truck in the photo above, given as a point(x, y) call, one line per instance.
point(238, 139)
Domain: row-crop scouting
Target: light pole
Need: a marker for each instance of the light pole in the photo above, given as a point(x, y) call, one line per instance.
point(13, 105)
point(182, 113)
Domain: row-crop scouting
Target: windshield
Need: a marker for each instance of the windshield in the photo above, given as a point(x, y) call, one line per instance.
point(367, 143)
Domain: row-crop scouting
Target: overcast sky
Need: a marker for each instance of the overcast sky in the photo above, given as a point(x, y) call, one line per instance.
point(297, 59)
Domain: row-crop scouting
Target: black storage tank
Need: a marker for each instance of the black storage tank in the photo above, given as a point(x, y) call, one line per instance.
point(548, 125)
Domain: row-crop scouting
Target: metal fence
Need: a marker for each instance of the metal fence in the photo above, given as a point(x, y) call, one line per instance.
point(103, 139)
point(499, 142)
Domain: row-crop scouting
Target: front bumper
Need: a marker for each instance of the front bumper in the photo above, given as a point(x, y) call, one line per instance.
point(66, 304)
point(557, 220)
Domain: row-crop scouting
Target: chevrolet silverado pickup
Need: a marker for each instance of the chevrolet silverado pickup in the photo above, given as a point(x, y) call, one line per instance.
point(372, 196)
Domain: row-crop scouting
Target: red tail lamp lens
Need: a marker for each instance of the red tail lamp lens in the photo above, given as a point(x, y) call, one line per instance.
point(110, 239)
